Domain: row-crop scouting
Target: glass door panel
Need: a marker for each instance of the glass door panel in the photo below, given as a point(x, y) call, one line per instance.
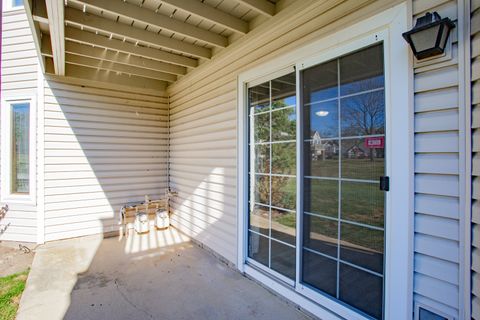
point(272, 166)
point(343, 109)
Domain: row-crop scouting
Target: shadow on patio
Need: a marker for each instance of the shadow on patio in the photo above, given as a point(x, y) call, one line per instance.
point(159, 275)
point(113, 150)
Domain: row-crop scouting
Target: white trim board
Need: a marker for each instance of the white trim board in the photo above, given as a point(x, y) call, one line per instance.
point(387, 27)
point(6, 138)
point(465, 152)
point(40, 156)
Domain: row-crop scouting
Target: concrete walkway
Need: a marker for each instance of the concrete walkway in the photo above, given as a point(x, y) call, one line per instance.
point(160, 275)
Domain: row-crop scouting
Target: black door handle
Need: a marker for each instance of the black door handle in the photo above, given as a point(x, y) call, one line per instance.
point(385, 183)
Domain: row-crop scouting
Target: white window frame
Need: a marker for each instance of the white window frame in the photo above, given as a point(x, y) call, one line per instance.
point(386, 26)
point(6, 194)
point(8, 6)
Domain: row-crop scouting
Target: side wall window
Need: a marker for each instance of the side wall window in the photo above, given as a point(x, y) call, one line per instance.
point(17, 3)
point(9, 5)
point(20, 125)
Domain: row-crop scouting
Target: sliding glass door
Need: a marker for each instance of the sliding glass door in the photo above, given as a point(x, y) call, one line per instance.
point(343, 107)
point(341, 211)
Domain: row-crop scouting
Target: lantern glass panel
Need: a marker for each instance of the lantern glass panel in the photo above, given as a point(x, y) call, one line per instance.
point(443, 41)
point(425, 39)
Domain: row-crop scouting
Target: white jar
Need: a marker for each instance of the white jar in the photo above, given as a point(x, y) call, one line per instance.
point(162, 220)
point(141, 222)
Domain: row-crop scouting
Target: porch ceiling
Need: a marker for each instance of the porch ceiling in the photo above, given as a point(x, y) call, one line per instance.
point(142, 43)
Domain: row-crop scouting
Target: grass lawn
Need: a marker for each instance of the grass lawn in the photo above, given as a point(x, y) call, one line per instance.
point(365, 169)
point(11, 288)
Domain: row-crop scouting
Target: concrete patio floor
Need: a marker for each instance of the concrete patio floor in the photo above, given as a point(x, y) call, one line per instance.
point(160, 275)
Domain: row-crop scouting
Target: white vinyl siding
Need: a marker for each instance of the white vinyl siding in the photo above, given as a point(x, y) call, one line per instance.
point(103, 148)
point(19, 78)
point(475, 51)
point(437, 270)
point(203, 127)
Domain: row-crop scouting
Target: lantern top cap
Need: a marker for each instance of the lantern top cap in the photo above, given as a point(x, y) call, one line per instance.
point(427, 19)
point(431, 19)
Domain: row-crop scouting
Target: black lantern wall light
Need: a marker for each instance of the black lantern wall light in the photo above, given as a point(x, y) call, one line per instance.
point(429, 36)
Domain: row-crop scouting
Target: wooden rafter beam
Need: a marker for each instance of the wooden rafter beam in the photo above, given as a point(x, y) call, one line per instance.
point(261, 6)
point(56, 24)
point(122, 30)
point(132, 11)
point(118, 67)
point(39, 11)
point(211, 14)
point(104, 76)
point(98, 62)
point(90, 51)
point(123, 58)
point(77, 35)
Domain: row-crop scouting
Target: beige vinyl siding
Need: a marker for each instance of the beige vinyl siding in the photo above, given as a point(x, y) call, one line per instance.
point(103, 148)
point(437, 271)
point(475, 47)
point(19, 77)
point(203, 131)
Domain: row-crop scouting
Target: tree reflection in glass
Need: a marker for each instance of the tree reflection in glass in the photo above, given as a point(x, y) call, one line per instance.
point(273, 124)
